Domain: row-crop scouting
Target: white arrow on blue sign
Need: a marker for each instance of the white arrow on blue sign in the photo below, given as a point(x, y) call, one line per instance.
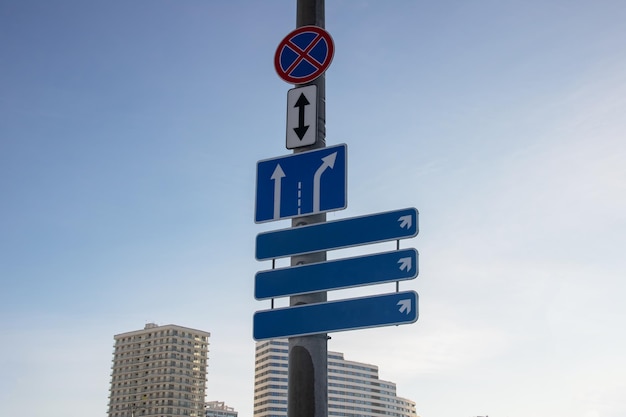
point(381, 227)
point(301, 184)
point(356, 313)
point(398, 265)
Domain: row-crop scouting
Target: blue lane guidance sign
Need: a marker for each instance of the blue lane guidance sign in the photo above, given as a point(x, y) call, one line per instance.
point(304, 55)
point(301, 184)
point(397, 265)
point(381, 227)
point(356, 313)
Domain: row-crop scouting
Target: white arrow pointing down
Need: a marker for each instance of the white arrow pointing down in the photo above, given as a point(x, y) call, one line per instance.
point(405, 305)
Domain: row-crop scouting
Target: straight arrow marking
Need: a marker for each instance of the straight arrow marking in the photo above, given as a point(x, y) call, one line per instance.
point(277, 177)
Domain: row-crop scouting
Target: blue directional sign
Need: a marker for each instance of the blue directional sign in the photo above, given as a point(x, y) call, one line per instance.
point(356, 313)
point(301, 184)
point(397, 265)
point(381, 227)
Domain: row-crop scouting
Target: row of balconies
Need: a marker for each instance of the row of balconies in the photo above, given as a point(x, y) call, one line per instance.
point(137, 377)
point(146, 375)
point(120, 395)
point(138, 354)
point(192, 365)
point(161, 334)
point(136, 385)
point(156, 393)
point(168, 341)
point(167, 345)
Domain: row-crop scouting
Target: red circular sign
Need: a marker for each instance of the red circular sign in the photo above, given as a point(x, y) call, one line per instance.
point(304, 54)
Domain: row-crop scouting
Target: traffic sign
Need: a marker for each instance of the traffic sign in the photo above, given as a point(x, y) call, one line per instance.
point(397, 265)
point(381, 227)
point(356, 313)
point(304, 54)
point(301, 116)
point(301, 184)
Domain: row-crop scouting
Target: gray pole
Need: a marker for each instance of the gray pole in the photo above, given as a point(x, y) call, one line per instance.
point(308, 355)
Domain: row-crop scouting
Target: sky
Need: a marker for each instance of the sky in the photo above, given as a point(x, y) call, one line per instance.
point(129, 137)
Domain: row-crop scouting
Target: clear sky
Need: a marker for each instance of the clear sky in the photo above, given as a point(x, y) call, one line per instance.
point(129, 136)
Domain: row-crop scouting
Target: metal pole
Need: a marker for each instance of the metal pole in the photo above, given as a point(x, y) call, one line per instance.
point(308, 355)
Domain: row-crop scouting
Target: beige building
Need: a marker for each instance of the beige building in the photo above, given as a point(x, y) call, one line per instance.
point(354, 389)
point(219, 409)
point(159, 371)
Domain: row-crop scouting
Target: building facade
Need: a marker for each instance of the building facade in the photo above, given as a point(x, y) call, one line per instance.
point(219, 409)
point(354, 389)
point(159, 371)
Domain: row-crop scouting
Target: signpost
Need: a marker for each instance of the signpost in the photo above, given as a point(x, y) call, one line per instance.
point(301, 116)
point(301, 184)
point(383, 267)
point(304, 186)
point(355, 231)
point(356, 313)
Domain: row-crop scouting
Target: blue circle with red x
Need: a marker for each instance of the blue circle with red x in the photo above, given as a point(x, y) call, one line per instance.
point(304, 54)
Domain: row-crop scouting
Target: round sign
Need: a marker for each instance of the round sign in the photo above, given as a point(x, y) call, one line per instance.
point(304, 54)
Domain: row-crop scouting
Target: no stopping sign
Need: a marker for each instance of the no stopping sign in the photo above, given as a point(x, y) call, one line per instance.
point(304, 54)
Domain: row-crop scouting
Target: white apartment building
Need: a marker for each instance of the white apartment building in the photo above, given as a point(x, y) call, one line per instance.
point(354, 389)
point(219, 409)
point(159, 371)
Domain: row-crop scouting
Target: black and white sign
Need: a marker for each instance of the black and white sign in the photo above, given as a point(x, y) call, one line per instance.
point(301, 116)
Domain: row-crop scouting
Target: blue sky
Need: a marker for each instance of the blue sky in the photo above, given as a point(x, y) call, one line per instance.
point(129, 136)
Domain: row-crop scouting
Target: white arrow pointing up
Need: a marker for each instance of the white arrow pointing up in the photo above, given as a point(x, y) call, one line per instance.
point(406, 221)
point(277, 177)
point(405, 264)
point(405, 305)
point(327, 162)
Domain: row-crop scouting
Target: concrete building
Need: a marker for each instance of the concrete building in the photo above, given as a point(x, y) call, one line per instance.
point(159, 371)
point(354, 389)
point(219, 409)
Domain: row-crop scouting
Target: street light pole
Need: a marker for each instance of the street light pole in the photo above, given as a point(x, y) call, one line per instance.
point(308, 355)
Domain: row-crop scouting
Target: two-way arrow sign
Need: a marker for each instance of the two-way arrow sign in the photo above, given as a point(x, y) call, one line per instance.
point(301, 116)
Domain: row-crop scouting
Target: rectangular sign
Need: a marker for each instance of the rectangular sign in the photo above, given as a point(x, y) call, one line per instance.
point(301, 184)
point(301, 116)
point(381, 227)
point(383, 267)
point(356, 313)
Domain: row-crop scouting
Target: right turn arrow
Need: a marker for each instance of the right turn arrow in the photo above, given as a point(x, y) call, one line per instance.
point(406, 221)
point(405, 264)
point(405, 305)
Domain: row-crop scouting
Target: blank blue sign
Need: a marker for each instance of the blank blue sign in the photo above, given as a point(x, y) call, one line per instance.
point(381, 227)
point(397, 265)
point(356, 313)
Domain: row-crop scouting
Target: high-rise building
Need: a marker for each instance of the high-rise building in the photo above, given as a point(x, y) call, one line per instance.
point(159, 371)
point(219, 409)
point(354, 389)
